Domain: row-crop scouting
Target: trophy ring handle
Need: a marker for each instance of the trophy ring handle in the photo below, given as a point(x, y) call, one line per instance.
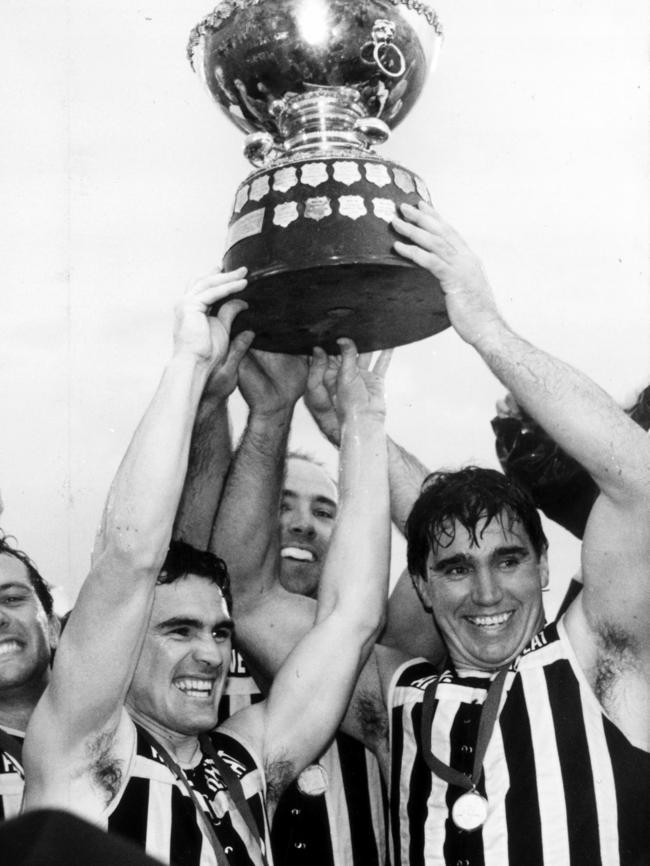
point(382, 51)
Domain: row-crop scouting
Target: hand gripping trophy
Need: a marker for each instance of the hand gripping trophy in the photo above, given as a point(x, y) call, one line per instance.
point(316, 85)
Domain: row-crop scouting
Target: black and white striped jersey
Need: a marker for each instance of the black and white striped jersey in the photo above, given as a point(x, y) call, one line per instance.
point(12, 777)
point(564, 786)
point(155, 810)
point(345, 825)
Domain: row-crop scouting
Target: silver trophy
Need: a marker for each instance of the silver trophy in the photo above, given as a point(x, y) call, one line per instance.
point(316, 85)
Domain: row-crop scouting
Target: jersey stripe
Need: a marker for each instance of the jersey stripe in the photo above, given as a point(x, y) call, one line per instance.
point(564, 785)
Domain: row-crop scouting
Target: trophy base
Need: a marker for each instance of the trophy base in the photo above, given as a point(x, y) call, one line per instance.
point(316, 238)
point(378, 305)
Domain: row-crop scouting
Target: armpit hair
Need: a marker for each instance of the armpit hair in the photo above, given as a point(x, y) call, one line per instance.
point(370, 715)
point(616, 654)
point(279, 775)
point(105, 769)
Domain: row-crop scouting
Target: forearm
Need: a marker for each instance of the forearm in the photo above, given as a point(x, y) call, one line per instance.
point(245, 532)
point(573, 410)
point(144, 496)
point(209, 459)
point(405, 474)
point(355, 575)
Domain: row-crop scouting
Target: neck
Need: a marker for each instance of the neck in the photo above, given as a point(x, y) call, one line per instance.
point(182, 747)
point(17, 704)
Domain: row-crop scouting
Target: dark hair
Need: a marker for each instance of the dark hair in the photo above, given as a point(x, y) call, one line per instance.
point(40, 585)
point(470, 496)
point(182, 559)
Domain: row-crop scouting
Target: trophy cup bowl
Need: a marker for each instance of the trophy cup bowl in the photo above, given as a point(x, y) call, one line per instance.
point(316, 85)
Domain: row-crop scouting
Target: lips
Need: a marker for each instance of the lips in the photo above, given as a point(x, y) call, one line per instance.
point(490, 621)
point(300, 554)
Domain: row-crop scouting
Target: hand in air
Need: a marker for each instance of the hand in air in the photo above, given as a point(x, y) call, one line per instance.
point(207, 338)
point(436, 246)
point(272, 382)
point(353, 386)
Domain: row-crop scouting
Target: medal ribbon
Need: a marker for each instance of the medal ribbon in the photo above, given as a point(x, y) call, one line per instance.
point(232, 782)
point(489, 712)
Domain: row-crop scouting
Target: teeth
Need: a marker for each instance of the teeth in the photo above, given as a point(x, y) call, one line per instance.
point(486, 621)
point(194, 687)
point(297, 553)
point(9, 646)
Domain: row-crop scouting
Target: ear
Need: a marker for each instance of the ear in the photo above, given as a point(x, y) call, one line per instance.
point(543, 569)
point(422, 589)
point(53, 630)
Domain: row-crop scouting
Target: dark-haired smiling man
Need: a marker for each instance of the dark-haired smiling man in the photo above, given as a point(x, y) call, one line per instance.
point(29, 631)
point(533, 745)
point(123, 735)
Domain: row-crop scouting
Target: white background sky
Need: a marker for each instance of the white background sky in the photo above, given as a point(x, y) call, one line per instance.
point(117, 179)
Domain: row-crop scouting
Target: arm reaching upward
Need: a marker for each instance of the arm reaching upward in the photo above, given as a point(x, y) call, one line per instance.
point(81, 708)
point(314, 677)
point(585, 422)
point(245, 532)
point(409, 626)
point(210, 450)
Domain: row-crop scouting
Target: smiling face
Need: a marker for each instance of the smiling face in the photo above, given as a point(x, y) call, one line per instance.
point(184, 661)
point(486, 597)
point(307, 514)
point(27, 634)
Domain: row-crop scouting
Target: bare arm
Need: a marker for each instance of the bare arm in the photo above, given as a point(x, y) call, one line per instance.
point(313, 684)
point(409, 626)
point(576, 413)
point(100, 646)
point(210, 450)
point(245, 532)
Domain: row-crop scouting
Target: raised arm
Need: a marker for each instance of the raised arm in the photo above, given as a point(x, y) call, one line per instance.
point(210, 450)
point(583, 420)
point(101, 643)
point(313, 684)
point(245, 532)
point(409, 626)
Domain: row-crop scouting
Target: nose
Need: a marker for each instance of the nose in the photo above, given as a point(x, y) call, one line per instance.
point(486, 588)
point(302, 524)
point(207, 652)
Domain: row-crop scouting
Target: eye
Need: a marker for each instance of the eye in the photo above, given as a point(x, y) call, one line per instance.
point(221, 634)
point(180, 631)
point(457, 571)
point(323, 514)
point(13, 599)
point(284, 506)
point(509, 563)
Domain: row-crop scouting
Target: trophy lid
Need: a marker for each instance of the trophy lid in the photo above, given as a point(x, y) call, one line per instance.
point(257, 55)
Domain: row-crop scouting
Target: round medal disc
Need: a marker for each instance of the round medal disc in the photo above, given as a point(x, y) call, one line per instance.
point(469, 811)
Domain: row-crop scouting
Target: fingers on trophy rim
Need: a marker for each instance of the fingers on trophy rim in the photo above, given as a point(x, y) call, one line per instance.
point(383, 362)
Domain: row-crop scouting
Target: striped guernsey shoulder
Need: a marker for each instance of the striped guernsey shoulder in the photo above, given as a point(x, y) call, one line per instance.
point(563, 785)
point(12, 777)
point(335, 813)
point(157, 811)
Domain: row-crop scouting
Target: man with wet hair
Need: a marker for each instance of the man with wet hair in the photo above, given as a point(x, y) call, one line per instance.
point(124, 734)
point(533, 744)
point(28, 635)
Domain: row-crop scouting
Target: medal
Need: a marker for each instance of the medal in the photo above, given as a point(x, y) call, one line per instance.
point(469, 811)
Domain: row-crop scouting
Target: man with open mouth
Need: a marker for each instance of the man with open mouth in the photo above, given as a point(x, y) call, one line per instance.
point(123, 735)
point(533, 745)
point(29, 632)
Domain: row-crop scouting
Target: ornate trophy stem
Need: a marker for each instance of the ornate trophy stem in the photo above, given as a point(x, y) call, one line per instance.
point(317, 84)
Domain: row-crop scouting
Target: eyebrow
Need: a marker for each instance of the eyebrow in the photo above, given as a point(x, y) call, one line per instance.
point(12, 586)
point(190, 622)
point(323, 500)
point(463, 558)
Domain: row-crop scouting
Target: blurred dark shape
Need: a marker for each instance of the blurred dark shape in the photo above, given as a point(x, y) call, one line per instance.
point(561, 488)
point(49, 838)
